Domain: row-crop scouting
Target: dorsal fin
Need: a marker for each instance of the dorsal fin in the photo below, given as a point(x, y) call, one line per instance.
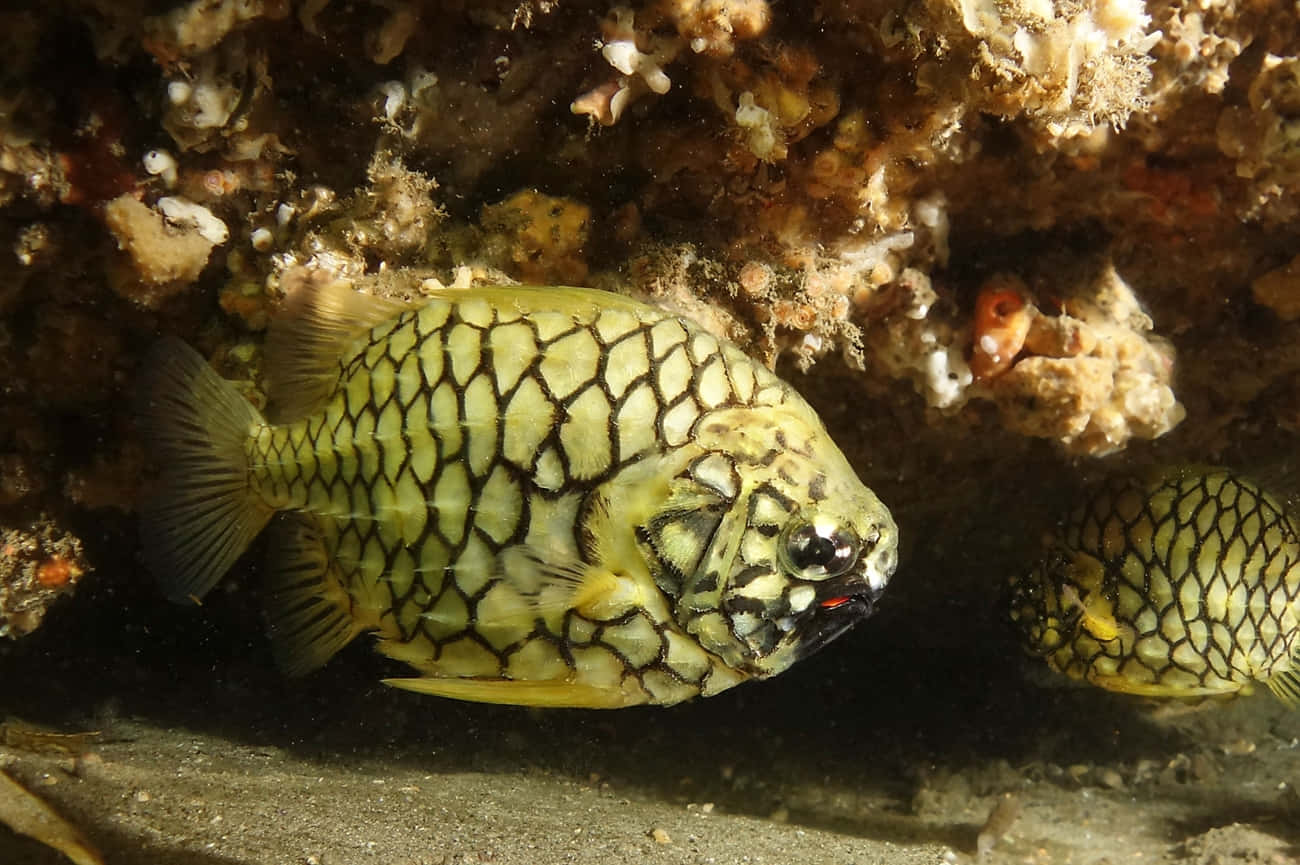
point(322, 314)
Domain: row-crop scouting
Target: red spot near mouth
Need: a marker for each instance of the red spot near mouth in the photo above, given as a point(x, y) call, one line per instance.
point(832, 603)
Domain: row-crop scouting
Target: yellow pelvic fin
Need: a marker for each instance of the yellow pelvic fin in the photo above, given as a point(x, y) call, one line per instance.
point(203, 513)
point(555, 694)
point(1149, 689)
point(308, 612)
point(322, 315)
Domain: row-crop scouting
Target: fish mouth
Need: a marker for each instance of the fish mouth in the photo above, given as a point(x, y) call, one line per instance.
point(838, 613)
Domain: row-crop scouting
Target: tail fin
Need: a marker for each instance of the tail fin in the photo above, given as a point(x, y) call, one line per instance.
point(203, 513)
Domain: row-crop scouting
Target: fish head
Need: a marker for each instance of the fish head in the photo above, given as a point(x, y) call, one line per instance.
point(1045, 607)
point(832, 565)
point(1066, 613)
point(796, 552)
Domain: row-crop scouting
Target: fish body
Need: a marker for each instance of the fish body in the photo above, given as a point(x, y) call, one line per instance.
point(1179, 583)
point(552, 497)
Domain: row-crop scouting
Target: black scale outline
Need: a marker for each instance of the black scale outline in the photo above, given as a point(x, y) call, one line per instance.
point(1101, 507)
point(316, 429)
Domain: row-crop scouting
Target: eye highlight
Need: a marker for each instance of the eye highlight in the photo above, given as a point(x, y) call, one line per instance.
point(816, 550)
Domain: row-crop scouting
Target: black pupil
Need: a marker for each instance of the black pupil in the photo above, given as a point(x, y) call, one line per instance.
point(811, 550)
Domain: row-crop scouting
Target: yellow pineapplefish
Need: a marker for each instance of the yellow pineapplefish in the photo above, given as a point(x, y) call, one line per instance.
point(1182, 582)
point(537, 496)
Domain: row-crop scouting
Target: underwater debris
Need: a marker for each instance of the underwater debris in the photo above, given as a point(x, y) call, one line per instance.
point(200, 25)
point(1001, 325)
point(998, 823)
point(642, 70)
point(713, 27)
point(1090, 376)
point(392, 219)
point(1103, 377)
point(395, 216)
point(36, 739)
point(1068, 67)
point(27, 814)
point(1279, 290)
point(40, 562)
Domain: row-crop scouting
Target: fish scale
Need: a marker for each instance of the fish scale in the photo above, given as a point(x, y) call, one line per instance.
point(541, 496)
point(1178, 583)
point(561, 379)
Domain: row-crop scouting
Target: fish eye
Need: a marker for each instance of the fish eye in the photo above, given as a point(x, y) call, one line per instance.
point(815, 550)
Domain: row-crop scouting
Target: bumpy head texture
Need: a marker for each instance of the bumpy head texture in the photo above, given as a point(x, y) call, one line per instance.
point(777, 549)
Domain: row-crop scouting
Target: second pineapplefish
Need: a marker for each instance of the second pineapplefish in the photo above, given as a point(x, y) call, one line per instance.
point(539, 496)
point(1182, 582)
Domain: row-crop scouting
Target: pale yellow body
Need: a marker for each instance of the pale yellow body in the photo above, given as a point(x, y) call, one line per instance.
point(1184, 583)
point(540, 497)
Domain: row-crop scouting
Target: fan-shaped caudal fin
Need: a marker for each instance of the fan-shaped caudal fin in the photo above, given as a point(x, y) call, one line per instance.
point(203, 513)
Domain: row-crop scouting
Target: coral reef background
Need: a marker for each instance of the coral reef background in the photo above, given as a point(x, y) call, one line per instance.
point(1069, 221)
point(1001, 246)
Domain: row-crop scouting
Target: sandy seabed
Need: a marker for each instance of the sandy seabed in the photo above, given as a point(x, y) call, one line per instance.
point(875, 751)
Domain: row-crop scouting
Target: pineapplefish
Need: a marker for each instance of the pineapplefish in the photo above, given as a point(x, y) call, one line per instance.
point(1181, 582)
point(536, 496)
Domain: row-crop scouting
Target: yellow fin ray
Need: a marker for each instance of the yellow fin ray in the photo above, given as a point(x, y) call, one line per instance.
point(1285, 684)
point(548, 694)
point(1124, 685)
point(1286, 687)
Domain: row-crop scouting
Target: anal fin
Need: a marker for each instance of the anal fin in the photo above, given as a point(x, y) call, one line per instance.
point(308, 612)
point(1123, 685)
point(1286, 685)
point(553, 694)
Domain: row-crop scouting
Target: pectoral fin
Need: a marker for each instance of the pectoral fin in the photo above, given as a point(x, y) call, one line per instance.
point(1099, 621)
point(534, 585)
